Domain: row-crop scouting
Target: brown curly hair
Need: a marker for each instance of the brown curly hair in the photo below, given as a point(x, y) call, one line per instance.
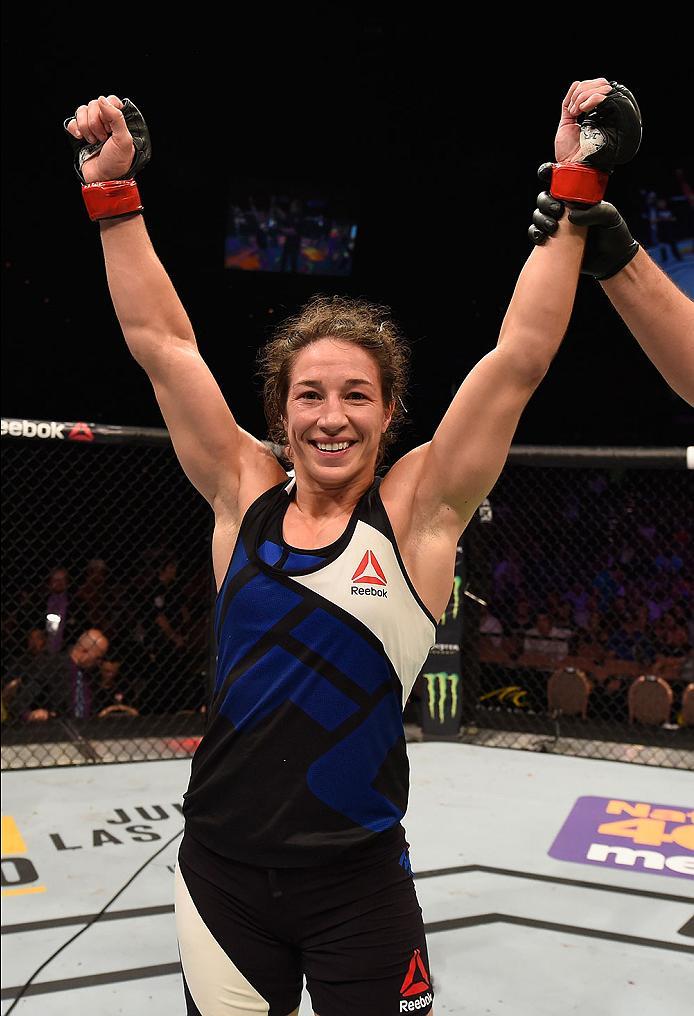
point(350, 320)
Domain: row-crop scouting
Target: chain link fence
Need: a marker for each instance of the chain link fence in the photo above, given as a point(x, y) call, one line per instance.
point(107, 596)
point(569, 627)
point(576, 632)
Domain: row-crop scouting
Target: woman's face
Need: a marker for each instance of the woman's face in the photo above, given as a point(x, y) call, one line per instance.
point(335, 414)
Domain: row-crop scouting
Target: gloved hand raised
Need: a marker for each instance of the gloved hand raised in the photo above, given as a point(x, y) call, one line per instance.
point(110, 139)
point(583, 97)
point(600, 125)
point(599, 128)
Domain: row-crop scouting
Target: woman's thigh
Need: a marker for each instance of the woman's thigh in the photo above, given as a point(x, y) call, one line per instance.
point(232, 965)
point(363, 946)
point(354, 928)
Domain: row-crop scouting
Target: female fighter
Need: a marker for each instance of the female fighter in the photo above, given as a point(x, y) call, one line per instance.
point(294, 860)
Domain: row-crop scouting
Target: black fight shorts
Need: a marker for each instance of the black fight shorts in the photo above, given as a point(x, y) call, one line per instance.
point(247, 935)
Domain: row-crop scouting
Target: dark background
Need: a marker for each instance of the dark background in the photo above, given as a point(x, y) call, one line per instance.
point(437, 135)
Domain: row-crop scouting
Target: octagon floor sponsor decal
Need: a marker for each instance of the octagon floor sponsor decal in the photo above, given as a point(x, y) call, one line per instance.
point(634, 835)
point(19, 875)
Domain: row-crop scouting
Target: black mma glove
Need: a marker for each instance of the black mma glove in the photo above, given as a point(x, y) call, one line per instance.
point(135, 122)
point(609, 245)
point(611, 134)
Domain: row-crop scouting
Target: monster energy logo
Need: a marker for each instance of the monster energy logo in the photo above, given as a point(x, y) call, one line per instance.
point(454, 602)
point(441, 681)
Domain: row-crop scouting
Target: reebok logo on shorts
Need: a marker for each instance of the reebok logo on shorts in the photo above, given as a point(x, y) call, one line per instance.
point(368, 577)
point(416, 983)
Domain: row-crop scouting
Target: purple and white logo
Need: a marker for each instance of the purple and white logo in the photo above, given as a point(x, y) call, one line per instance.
point(635, 835)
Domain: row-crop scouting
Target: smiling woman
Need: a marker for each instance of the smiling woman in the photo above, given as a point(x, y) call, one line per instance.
point(294, 860)
point(357, 322)
point(335, 416)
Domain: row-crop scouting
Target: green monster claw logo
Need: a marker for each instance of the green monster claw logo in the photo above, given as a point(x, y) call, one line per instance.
point(455, 597)
point(442, 680)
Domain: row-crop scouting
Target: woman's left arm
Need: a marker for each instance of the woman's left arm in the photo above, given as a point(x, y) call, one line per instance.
point(457, 469)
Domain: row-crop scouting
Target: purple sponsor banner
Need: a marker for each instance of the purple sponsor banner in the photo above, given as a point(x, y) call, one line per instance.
point(657, 839)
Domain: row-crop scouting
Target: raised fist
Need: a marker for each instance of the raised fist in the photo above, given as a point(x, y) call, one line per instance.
point(109, 149)
point(582, 97)
point(600, 125)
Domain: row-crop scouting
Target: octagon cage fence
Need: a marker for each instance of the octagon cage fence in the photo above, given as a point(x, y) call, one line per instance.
point(569, 627)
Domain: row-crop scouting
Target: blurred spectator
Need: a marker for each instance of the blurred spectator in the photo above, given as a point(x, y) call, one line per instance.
point(630, 640)
point(515, 629)
point(61, 687)
point(617, 613)
point(164, 626)
point(578, 596)
point(666, 229)
point(57, 608)
point(110, 693)
point(523, 618)
point(94, 596)
point(552, 603)
point(672, 637)
point(36, 646)
point(547, 639)
point(28, 668)
point(491, 628)
point(582, 615)
point(591, 642)
point(563, 616)
point(609, 585)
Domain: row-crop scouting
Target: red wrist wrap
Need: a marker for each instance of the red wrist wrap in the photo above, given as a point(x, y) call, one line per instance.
point(572, 181)
point(111, 198)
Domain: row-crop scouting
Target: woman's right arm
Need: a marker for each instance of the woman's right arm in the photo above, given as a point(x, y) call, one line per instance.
point(216, 454)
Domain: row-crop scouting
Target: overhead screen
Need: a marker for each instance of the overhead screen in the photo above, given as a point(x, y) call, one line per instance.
point(290, 229)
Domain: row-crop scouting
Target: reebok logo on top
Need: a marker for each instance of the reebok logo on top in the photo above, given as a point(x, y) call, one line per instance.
point(370, 571)
point(369, 578)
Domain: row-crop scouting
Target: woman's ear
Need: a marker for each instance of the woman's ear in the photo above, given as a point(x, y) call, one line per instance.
point(390, 409)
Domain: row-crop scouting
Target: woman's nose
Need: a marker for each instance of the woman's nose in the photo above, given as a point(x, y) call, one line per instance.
point(333, 415)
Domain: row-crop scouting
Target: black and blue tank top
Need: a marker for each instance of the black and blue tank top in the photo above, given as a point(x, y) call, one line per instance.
point(304, 755)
